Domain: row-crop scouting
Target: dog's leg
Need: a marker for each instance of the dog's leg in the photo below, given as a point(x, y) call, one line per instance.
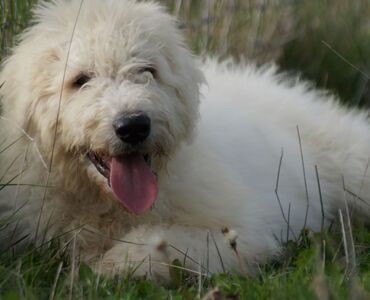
point(151, 250)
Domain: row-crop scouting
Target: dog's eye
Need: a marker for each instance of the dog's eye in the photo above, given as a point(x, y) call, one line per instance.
point(149, 69)
point(81, 80)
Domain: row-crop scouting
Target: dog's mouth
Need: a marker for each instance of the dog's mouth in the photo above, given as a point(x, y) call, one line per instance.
point(130, 177)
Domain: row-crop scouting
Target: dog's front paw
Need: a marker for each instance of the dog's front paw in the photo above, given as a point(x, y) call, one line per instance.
point(138, 257)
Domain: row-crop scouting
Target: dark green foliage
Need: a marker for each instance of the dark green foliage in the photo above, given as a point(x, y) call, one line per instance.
point(332, 47)
point(15, 15)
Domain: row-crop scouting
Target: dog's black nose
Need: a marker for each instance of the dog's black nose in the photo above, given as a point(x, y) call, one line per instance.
point(132, 129)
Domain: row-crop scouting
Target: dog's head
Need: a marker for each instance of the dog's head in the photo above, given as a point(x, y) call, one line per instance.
point(108, 88)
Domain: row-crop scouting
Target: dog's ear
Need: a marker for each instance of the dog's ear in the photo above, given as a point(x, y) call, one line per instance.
point(13, 77)
point(186, 79)
point(25, 81)
point(42, 74)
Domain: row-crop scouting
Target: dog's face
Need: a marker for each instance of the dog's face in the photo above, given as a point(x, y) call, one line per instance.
point(112, 81)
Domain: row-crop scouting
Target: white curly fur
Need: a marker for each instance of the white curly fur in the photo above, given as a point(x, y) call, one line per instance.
point(224, 175)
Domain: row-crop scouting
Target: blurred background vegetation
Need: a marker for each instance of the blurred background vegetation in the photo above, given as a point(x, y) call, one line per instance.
point(326, 41)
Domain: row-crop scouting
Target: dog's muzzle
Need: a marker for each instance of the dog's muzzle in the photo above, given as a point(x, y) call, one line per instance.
point(129, 173)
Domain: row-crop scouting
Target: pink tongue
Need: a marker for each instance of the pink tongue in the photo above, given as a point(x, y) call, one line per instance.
point(133, 182)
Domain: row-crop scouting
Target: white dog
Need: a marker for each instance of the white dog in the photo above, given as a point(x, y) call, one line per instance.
point(103, 145)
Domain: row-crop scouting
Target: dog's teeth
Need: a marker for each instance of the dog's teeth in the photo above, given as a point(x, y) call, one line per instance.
point(99, 164)
point(148, 159)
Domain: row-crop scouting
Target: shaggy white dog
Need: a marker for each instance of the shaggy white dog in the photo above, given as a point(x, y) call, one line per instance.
point(102, 147)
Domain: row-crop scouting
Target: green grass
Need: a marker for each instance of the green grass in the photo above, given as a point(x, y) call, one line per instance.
point(292, 33)
point(305, 273)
